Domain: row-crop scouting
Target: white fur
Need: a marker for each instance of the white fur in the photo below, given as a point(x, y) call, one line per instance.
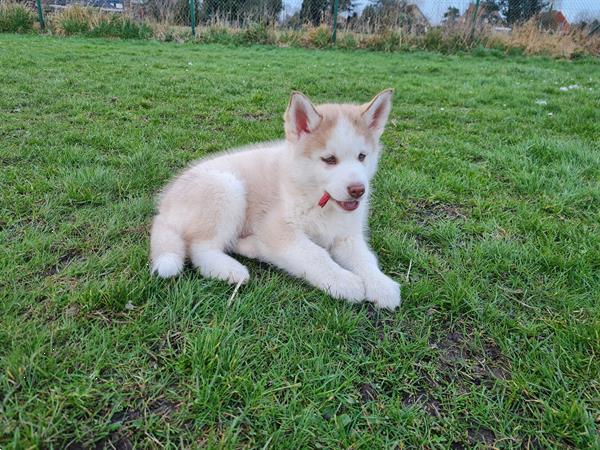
point(167, 265)
point(262, 202)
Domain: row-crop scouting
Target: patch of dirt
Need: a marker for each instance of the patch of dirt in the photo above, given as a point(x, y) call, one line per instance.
point(464, 364)
point(367, 392)
point(451, 347)
point(159, 408)
point(119, 439)
point(425, 211)
point(256, 117)
point(63, 261)
point(115, 441)
point(422, 398)
point(481, 435)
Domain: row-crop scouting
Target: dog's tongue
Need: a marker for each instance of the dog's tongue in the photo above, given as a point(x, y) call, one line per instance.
point(324, 199)
point(349, 206)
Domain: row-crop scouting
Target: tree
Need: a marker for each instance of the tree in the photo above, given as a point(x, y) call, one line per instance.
point(517, 11)
point(389, 14)
point(246, 11)
point(451, 15)
point(313, 11)
point(348, 6)
point(490, 5)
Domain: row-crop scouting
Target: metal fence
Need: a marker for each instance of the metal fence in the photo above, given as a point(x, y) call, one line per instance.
point(362, 16)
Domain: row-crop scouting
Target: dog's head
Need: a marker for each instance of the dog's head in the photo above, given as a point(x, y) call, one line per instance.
point(336, 146)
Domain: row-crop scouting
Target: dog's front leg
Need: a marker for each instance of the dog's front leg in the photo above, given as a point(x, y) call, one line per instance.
point(353, 253)
point(303, 258)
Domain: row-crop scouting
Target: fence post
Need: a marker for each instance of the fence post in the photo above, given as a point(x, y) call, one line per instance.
point(40, 14)
point(192, 16)
point(335, 14)
point(474, 19)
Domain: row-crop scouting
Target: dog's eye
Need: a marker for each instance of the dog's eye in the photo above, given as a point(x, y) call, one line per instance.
point(361, 157)
point(331, 160)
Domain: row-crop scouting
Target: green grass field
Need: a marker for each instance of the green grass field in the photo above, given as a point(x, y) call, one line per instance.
point(486, 209)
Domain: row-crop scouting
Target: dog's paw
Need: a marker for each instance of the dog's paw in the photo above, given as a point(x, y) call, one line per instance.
point(383, 292)
point(233, 274)
point(167, 265)
point(347, 286)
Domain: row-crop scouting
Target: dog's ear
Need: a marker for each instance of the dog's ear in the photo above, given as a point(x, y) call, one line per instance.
point(376, 112)
point(301, 117)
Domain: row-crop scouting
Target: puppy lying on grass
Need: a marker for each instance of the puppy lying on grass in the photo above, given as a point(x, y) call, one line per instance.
point(300, 204)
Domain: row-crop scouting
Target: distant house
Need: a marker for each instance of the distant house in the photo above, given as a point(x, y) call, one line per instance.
point(419, 24)
point(553, 21)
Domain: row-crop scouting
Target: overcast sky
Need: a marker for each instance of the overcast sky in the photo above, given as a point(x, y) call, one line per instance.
point(574, 10)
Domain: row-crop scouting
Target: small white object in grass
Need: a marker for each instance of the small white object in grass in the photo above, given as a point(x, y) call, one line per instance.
point(235, 291)
point(129, 306)
point(550, 114)
point(569, 87)
point(189, 63)
point(540, 101)
point(442, 109)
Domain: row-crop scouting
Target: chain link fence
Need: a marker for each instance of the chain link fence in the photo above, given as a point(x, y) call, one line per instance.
point(455, 24)
point(367, 16)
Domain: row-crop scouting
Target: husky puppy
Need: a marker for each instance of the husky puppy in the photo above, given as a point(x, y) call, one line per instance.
point(300, 204)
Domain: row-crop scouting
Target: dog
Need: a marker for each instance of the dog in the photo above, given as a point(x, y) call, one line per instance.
point(300, 204)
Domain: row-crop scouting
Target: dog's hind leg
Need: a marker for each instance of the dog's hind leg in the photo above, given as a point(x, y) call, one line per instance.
point(214, 263)
point(227, 212)
point(202, 212)
point(167, 249)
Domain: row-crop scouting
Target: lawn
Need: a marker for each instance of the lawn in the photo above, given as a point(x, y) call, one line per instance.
point(486, 209)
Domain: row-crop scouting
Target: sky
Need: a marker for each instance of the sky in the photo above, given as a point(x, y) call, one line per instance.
point(574, 10)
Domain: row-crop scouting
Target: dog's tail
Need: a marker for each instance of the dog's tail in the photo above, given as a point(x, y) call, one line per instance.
point(167, 249)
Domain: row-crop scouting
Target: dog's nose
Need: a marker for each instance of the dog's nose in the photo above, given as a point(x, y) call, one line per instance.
point(356, 190)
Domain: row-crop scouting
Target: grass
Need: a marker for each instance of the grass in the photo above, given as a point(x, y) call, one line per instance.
point(486, 208)
point(16, 18)
point(91, 22)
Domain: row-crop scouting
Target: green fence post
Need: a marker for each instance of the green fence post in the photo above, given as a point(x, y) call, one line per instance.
point(40, 14)
point(192, 16)
point(474, 19)
point(335, 14)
